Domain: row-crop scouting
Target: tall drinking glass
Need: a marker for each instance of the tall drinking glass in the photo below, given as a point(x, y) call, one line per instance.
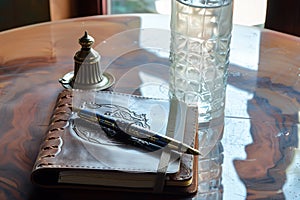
point(200, 41)
point(201, 34)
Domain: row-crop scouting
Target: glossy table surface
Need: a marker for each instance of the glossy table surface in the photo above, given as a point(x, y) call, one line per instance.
point(262, 114)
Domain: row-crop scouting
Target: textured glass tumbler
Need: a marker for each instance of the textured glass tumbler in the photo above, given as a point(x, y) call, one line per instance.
point(200, 40)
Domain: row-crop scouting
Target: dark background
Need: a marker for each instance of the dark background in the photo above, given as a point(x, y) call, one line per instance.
point(283, 16)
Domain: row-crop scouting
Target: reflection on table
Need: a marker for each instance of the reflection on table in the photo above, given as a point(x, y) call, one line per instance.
point(260, 140)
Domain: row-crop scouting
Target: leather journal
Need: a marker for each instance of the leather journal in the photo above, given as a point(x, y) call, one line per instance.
point(77, 153)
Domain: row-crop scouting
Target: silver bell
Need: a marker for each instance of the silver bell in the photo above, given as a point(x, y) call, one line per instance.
point(87, 69)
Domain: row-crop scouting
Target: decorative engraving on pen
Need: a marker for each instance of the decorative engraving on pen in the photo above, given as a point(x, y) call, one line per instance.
point(94, 133)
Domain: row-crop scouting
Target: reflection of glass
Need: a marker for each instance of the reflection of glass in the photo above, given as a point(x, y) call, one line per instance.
point(210, 167)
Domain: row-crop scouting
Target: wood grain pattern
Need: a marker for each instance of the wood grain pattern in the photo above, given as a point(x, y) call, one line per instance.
point(29, 73)
point(274, 116)
point(32, 59)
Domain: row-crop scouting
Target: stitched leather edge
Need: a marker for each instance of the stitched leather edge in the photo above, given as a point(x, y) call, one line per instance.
point(52, 143)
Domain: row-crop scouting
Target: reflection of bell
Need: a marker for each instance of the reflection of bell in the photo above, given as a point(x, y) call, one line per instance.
point(87, 70)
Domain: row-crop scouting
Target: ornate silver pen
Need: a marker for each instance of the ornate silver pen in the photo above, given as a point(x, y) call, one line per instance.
point(122, 129)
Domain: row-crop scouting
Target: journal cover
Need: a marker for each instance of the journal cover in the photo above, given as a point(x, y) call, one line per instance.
point(78, 153)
